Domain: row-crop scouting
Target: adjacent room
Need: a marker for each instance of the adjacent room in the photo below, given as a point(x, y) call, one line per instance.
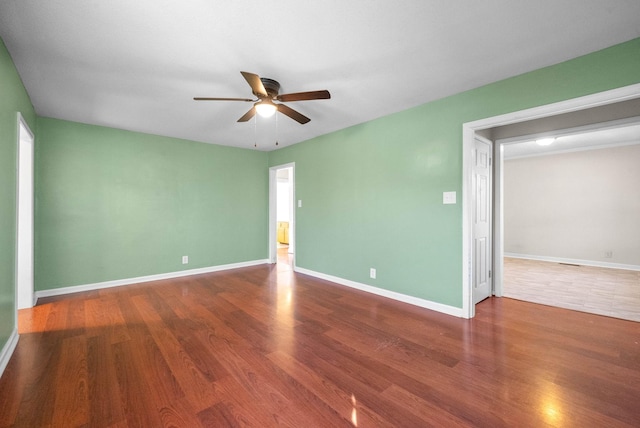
point(571, 226)
point(262, 214)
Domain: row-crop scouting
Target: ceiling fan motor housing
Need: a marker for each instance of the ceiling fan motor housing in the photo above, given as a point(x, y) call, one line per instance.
point(271, 86)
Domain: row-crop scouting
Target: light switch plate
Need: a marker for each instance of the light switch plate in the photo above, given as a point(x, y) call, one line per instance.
point(299, 203)
point(448, 198)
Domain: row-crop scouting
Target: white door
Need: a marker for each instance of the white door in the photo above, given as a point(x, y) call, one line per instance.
point(24, 265)
point(481, 250)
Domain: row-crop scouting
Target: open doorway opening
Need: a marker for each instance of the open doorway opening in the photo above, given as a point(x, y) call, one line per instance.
point(615, 104)
point(282, 215)
point(570, 210)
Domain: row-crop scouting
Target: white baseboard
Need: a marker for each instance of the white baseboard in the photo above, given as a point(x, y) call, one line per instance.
point(7, 350)
point(574, 261)
point(427, 304)
point(158, 277)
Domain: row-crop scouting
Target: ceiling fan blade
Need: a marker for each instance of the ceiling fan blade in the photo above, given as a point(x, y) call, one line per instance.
point(256, 84)
point(222, 99)
point(288, 111)
point(303, 96)
point(248, 115)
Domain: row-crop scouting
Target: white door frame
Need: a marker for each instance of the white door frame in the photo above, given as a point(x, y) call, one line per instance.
point(24, 215)
point(468, 140)
point(273, 220)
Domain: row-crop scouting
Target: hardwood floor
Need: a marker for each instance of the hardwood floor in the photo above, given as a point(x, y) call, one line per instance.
point(597, 290)
point(263, 347)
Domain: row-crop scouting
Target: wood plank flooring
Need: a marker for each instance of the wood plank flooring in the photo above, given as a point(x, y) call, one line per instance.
point(597, 290)
point(264, 347)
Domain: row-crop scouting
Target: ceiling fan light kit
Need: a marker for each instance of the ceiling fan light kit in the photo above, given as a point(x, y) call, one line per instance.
point(267, 91)
point(265, 108)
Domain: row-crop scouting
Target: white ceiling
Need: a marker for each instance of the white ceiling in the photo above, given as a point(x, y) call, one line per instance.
point(137, 65)
point(596, 137)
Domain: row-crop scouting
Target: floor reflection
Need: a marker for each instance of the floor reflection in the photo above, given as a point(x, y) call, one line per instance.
point(284, 299)
point(551, 405)
point(354, 412)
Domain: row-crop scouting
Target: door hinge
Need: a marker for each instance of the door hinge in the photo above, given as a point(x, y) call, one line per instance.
point(489, 273)
point(490, 161)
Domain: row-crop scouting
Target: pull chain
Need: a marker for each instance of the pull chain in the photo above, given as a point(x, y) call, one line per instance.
point(255, 131)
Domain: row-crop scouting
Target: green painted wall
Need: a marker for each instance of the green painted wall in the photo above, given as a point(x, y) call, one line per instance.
point(13, 99)
point(113, 204)
point(372, 193)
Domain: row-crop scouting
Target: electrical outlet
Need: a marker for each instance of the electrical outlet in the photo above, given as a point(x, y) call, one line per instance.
point(185, 260)
point(372, 273)
point(608, 254)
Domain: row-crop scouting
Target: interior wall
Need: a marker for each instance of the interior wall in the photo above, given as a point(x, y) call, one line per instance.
point(115, 204)
point(577, 205)
point(372, 193)
point(13, 99)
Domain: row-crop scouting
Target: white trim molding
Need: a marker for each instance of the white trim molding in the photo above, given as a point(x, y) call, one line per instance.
point(7, 350)
point(148, 278)
point(574, 261)
point(427, 304)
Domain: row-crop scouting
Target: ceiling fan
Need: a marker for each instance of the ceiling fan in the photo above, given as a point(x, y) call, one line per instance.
point(267, 92)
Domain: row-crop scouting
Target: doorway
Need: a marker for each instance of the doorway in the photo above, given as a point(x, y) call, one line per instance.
point(24, 215)
point(570, 218)
point(483, 127)
point(282, 214)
